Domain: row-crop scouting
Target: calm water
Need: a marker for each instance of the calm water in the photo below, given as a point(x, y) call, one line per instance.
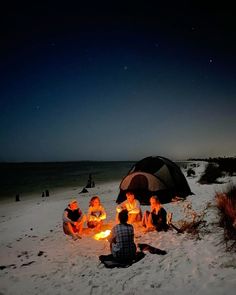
point(26, 178)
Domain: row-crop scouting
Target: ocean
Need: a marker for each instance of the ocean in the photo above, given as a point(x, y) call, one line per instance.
point(34, 178)
point(28, 178)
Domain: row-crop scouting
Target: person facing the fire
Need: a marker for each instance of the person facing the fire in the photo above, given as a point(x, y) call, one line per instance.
point(156, 218)
point(121, 239)
point(73, 220)
point(132, 205)
point(96, 214)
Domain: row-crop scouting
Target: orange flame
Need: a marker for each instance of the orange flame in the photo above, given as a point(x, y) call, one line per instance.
point(102, 235)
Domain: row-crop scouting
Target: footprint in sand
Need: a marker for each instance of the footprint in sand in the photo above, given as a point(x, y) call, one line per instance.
point(40, 253)
point(2, 267)
point(28, 263)
point(24, 253)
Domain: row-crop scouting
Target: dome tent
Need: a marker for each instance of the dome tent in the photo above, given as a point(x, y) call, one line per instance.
point(168, 173)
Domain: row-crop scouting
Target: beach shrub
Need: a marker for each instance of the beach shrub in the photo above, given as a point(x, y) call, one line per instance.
point(193, 227)
point(225, 164)
point(194, 224)
point(190, 172)
point(226, 203)
point(211, 174)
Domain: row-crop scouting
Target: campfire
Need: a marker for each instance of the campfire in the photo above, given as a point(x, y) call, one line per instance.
point(102, 235)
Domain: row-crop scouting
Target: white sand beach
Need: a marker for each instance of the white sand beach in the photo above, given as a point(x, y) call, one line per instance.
point(38, 258)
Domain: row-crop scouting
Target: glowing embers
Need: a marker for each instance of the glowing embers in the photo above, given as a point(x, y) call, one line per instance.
point(102, 235)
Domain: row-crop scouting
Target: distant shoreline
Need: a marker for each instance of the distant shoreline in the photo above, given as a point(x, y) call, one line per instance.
point(34, 178)
point(79, 161)
point(30, 178)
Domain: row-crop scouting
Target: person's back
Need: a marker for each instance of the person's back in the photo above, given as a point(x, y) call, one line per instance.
point(123, 247)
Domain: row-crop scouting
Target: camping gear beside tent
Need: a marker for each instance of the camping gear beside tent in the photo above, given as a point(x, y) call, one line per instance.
point(169, 174)
point(151, 249)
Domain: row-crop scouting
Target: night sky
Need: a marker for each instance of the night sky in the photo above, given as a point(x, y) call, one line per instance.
point(117, 81)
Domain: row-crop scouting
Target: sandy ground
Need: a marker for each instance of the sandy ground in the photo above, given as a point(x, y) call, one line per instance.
point(37, 258)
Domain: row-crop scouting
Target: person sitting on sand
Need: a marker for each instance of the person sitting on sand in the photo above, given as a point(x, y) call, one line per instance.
point(157, 218)
point(73, 220)
point(121, 239)
point(96, 214)
point(132, 205)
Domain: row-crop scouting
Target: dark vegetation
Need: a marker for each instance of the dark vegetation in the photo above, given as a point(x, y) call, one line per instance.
point(194, 224)
point(226, 203)
point(193, 227)
point(190, 172)
point(217, 167)
point(226, 165)
point(211, 174)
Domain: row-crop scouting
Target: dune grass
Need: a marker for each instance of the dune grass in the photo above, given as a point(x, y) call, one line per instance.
point(226, 203)
point(211, 174)
point(194, 224)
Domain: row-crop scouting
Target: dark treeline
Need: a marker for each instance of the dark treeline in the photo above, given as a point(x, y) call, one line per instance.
point(225, 164)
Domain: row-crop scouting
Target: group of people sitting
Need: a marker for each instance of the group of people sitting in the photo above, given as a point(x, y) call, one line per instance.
point(74, 219)
point(121, 238)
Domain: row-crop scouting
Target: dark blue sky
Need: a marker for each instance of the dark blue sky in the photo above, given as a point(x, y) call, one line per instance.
point(117, 82)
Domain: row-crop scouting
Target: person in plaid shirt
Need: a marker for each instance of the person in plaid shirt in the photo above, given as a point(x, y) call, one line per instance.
point(121, 239)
